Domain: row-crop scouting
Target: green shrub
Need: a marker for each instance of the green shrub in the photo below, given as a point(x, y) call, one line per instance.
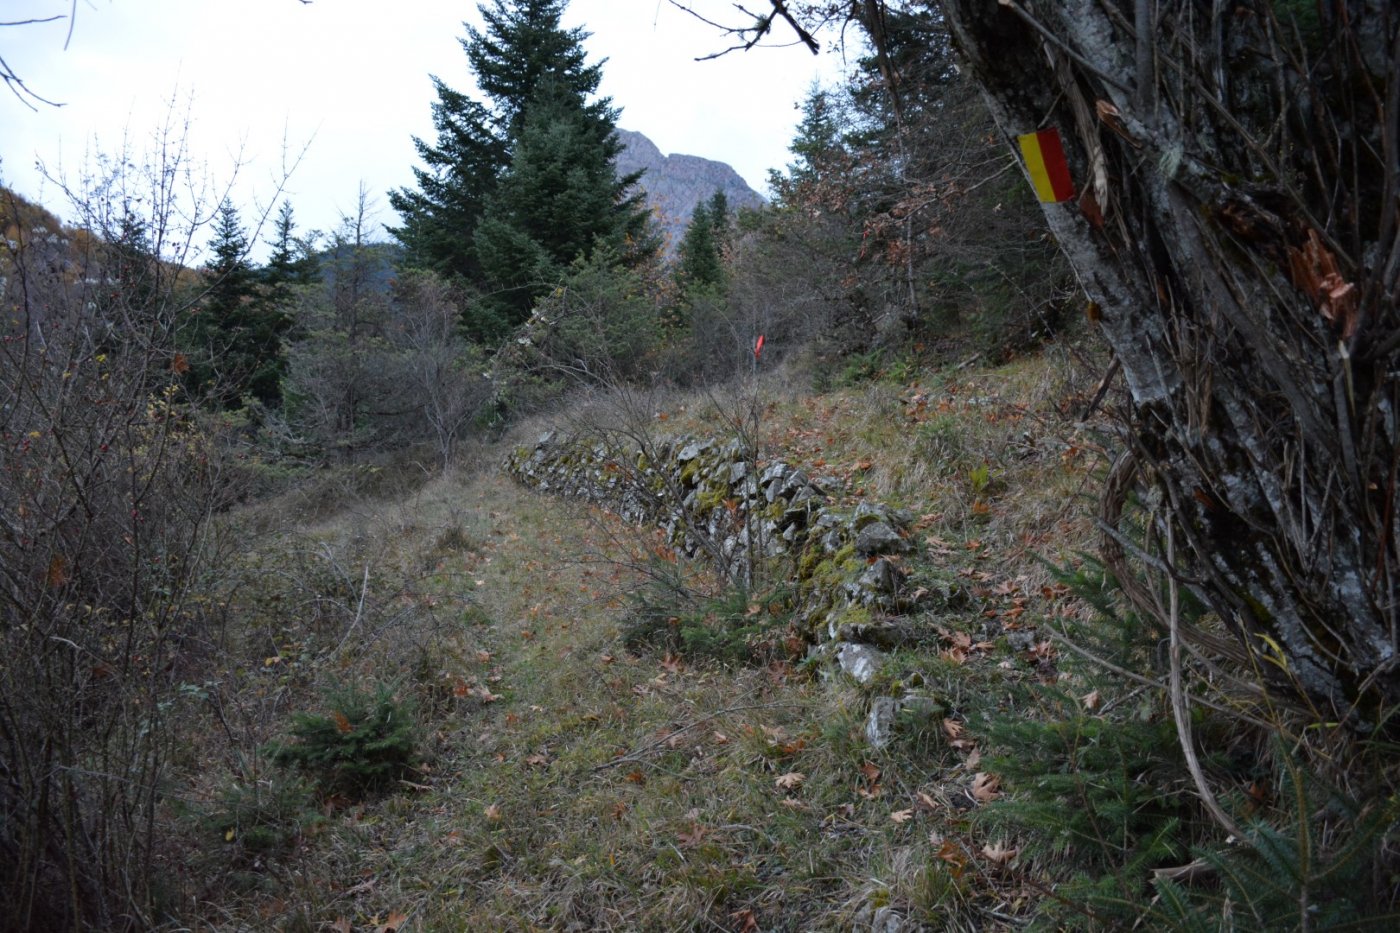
point(364, 744)
point(263, 814)
point(1099, 793)
point(732, 628)
point(1318, 863)
point(861, 368)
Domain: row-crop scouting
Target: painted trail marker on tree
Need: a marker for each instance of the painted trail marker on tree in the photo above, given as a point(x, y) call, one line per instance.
point(1045, 160)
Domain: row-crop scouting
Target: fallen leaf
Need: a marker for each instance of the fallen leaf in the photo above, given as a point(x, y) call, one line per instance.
point(871, 772)
point(953, 854)
point(954, 655)
point(537, 760)
point(986, 787)
point(721, 739)
point(492, 813)
point(1090, 700)
point(341, 925)
point(790, 781)
point(792, 748)
point(747, 922)
point(998, 853)
point(672, 663)
point(974, 759)
point(342, 723)
point(694, 836)
point(636, 777)
point(902, 816)
point(393, 924)
point(925, 802)
point(484, 657)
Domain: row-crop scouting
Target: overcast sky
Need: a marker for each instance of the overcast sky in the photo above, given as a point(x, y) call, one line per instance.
point(349, 79)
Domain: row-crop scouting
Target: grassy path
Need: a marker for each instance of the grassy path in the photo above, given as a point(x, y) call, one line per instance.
point(572, 785)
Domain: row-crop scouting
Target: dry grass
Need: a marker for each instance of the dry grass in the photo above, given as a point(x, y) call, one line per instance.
point(568, 785)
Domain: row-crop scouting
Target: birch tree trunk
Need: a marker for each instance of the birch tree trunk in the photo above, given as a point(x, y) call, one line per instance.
point(1234, 227)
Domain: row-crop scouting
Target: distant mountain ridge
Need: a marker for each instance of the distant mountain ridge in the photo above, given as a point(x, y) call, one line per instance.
point(675, 184)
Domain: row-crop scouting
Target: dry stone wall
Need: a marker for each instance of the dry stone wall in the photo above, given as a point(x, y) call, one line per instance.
point(714, 503)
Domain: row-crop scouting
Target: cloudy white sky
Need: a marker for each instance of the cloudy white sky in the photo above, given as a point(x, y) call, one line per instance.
point(348, 81)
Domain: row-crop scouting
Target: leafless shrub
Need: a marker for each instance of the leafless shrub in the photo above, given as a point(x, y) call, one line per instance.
point(108, 483)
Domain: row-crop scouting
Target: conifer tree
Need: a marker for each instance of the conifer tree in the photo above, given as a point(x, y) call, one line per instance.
point(700, 256)
point(818, 139)
point(521, 185)
point(288, 265)
point(559, 200)
point(235, 336)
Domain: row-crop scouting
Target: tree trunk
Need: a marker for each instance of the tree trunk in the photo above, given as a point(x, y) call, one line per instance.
point(1234, 228)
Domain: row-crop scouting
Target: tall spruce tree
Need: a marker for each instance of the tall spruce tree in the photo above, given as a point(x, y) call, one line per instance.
point(558, 201)
point(700, 256)
point(521, 185)
point(235, 337)
point(818, 139)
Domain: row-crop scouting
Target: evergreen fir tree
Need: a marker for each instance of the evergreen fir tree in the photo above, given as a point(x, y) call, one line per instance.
point(720, 217)
point(524, 48)
point(519, 187)
point(700, 256)
point(287, 267)
point(235, 336)
point(558, 202)
point(439, 217)
point(819, 136)
point(131, 266)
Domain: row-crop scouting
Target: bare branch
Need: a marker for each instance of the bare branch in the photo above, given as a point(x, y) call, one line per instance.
point(751, 35)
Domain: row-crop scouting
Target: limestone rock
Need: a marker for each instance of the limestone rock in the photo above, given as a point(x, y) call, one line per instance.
point(676, 184)
point(879, 724)
point(859, 662)
point(879, 538)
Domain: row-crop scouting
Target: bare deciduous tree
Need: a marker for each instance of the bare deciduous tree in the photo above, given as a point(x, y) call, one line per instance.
point(108, 482)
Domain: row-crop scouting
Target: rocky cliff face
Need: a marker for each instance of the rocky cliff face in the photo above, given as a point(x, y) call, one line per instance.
point(676, 183)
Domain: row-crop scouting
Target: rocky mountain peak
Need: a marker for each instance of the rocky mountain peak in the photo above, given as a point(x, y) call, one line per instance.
point(675, 184)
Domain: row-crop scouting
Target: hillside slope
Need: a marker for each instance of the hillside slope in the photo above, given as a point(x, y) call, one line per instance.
point(580, 775)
